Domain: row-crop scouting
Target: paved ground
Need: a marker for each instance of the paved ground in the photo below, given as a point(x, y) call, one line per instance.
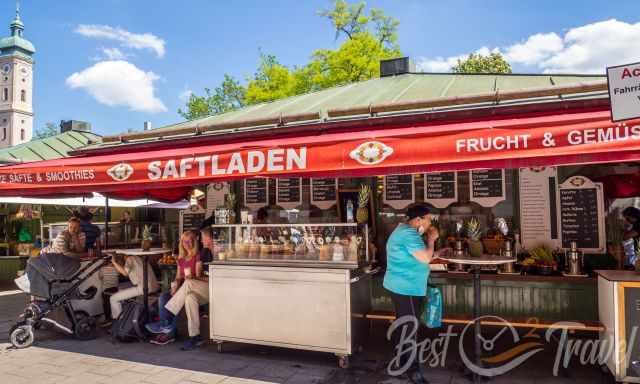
point(60, 359)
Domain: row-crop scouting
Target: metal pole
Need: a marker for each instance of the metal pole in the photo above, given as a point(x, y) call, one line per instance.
point(106, 223)
point(477, 297)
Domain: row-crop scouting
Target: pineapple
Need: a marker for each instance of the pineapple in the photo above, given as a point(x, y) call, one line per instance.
point(362, 214)
point(472, 229)
point(146, 238)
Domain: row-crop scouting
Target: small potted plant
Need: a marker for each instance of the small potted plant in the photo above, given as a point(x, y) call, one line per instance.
point(362, 214)
point(472, 229)
point(146, 238)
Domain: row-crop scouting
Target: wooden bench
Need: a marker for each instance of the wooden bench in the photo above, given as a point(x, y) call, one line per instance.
point(530, 323)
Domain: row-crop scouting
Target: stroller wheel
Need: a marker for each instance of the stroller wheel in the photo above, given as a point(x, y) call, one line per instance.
point(21, 336)
point(85, 326)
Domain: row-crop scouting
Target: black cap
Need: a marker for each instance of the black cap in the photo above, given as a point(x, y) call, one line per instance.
point(417, 210)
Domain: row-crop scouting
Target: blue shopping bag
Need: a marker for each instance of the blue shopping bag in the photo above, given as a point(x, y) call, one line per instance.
point(432, 314)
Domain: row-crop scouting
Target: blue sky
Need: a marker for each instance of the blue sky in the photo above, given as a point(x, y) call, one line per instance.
point(95, 59)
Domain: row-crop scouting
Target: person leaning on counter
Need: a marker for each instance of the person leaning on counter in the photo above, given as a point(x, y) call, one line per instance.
point(406, 277)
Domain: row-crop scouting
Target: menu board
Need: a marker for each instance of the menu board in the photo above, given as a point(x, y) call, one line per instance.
point(256, 193)
point(289, 192)
point(324, 192)
point(582, 214)
point(487, 186)
point(399, 190)
point(191, 219)
point(441, 188)
point(539, 207)
point(216, 193)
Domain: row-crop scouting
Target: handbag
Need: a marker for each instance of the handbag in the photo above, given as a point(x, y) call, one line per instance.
point(432, 313)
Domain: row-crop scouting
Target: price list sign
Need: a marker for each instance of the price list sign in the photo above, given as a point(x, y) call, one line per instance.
point(399, 190)
point(256, 193)
point(191, 219)
point(487, 186)
point(441, 188)
point(289, 192)
point(582, 214)
point(324, 192)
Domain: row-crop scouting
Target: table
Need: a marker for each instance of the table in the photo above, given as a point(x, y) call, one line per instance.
point(476, 263)
point(145, 267)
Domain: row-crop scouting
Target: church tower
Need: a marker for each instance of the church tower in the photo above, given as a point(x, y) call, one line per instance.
point(16, 86)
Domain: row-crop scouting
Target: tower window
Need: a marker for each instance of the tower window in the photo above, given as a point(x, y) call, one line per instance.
point(22, 134)
point(23, 96)
point(5, 94)
point(4, 133)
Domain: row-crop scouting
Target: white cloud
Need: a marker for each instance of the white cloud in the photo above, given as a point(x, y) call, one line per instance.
point(593, 47)
point(119, 83)
point(586, 49)
point(128, 39)
point(535, 49)
point(113, 54)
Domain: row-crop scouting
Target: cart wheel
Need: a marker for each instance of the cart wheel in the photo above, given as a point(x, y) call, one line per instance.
point(343, 362)
point(85, 326)
point(21, 336)
point(219, 347)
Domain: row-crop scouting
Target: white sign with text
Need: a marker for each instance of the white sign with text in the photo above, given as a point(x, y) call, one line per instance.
point(624, 91)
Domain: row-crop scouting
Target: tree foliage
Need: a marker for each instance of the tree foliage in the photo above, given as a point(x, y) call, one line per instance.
point(477, 63)
point(366, 38)
point(230, 95)
point(49, 129)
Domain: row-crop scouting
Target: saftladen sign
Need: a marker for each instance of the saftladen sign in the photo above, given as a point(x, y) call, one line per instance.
point(587, 137)
point(624, 91)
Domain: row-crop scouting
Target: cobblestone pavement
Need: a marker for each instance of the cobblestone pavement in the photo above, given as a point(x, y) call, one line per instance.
point(57, 358)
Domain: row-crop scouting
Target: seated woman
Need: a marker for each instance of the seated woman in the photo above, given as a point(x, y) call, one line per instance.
point(190, 290)
point(70, 242)
point(133, 268)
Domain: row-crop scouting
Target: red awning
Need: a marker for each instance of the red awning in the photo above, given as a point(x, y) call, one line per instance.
point(533, 140)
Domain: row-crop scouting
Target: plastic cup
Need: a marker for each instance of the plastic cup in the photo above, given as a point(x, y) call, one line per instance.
point(187, 273)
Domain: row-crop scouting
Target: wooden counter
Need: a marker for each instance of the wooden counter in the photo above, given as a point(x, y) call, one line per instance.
point(527, 278)
point(618, 275)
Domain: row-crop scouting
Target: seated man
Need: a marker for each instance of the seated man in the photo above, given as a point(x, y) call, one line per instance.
point(190, 290)
point(133, 268)
point(70, 242)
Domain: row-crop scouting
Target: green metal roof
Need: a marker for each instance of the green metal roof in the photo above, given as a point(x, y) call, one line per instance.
point(401, 88)
point(53, 147)
point(408, 87)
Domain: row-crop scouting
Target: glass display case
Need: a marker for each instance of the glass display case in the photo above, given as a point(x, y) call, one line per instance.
point(292, 244)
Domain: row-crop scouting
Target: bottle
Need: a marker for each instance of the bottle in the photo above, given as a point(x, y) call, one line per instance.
point(349, 211)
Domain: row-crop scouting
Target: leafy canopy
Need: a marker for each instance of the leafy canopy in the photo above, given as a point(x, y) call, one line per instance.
point(366, 38)
point(49, 129)
point(477, 63)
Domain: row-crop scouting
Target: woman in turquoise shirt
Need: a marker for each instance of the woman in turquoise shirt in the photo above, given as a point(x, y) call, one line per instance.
point(406, 279)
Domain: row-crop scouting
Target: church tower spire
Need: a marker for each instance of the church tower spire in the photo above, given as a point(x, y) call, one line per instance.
point(16, 85)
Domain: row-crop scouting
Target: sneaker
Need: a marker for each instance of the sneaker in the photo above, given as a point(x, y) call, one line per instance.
point(159, 327)
point(163, 339)
point(192, 343)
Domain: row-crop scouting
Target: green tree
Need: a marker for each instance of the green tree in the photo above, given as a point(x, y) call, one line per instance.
point(368, 37)
point(477, 63)
point(49, 129)
point(229, 96)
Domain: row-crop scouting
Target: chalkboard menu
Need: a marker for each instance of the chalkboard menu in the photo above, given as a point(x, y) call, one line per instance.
point(289, 192)
point(256, 193)
point(324, 192)
point(191, 219)
point(399, 190)
point(441, 188)
point(581, 214)
point(631, 321)
point(487, 186)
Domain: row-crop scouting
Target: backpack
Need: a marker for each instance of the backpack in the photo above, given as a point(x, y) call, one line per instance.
point(129, 326)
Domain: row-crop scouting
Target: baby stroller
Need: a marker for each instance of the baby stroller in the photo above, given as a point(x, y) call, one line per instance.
point(53, 280)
